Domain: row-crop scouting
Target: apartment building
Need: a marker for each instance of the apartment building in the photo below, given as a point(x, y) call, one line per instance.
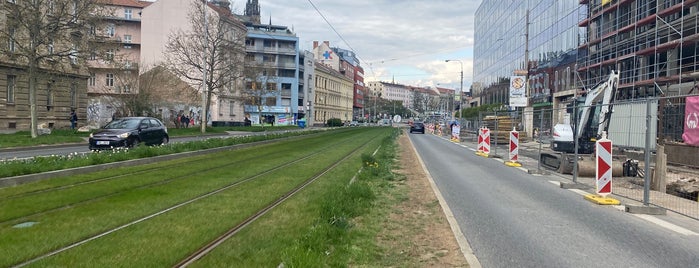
point(114, 61)
point(163, 18)
point(56, 85)
point(333, 95)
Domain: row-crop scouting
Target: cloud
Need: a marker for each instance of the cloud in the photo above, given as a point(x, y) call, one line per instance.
point(408, 39)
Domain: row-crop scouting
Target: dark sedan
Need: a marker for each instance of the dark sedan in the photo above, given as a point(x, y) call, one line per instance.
point(417, 127)
point(129, 132)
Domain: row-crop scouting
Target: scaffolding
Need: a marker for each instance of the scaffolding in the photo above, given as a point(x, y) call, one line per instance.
point(654, 45)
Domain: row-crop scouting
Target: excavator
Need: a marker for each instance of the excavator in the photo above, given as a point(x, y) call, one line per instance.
point(590, 115)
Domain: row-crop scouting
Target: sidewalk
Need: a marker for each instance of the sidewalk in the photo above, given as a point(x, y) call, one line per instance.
point(630, 191)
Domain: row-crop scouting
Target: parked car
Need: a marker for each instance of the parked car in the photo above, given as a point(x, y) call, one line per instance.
point(354, 124)
point(417, 127)
point(129, 132)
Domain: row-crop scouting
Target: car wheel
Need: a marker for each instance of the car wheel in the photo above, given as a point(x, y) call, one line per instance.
point(135, 143)
point(164, 141)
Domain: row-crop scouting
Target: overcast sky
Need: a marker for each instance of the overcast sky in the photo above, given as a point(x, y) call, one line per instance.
point(406, 39)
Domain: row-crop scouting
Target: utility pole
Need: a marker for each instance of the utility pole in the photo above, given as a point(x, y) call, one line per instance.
point(461, 88)
point(204, 86)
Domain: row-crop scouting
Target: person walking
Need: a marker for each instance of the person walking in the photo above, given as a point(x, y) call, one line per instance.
point(73, 119)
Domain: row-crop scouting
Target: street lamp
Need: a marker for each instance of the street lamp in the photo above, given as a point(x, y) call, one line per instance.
point(461, 88)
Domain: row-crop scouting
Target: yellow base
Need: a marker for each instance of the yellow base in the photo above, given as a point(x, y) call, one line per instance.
point(512, 164)
point(455, 140)
point(600, 200)
point(482, 154)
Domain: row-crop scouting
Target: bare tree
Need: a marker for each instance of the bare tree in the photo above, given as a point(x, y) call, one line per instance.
point(48, 36)
point(260, 86)
point(211, 52)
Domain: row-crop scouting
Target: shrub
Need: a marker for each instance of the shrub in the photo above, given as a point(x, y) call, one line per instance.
point(334, 122)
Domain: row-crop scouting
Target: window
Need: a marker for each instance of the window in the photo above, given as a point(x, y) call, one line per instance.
point(11, 82)
point(231, 107)
point(91, 81)
point(268, 43)
point(250, 42)
point(93, 30)
point(111, 30)
point(50, 46)
point(49, 95)
point(126, 88)
point(73, 95)
point(110, 54)
point(127, 38)
point(268, 58)
point(110, 80)
point(93, 55)
point(73, 55)
point(11, 40)
point(128, 13)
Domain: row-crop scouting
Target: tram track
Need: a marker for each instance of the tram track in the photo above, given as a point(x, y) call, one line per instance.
point(199, 253)
point(188, 174)
point(212, 193)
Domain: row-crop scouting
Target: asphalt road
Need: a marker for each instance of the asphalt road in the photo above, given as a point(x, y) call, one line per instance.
point(514, 219)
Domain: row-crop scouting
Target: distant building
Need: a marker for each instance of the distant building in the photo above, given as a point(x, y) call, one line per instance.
point(114, 66)
point(333, 95)
point(273, 48)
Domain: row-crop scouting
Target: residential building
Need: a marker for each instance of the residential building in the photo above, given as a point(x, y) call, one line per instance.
point(333, 95)
point(274, 50)
point(163, 18)
point(61, 74)
point(351, 67)
point(114, 61)
point(306, 89)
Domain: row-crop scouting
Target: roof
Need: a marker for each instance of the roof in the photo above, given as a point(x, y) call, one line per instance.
point(128, 3)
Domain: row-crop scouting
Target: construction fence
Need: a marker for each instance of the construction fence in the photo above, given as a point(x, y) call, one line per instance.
point(655, 136)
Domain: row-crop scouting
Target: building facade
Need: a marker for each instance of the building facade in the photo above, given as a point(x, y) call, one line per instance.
point(653, 44)
point(60, 76)
point(160, 20)
point(114, 63)
point(333, 95)
point(538, 39)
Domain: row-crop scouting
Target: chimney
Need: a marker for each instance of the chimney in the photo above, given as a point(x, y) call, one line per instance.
point(315, 44)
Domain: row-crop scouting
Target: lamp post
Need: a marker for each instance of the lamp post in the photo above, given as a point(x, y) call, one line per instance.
point(461, 88)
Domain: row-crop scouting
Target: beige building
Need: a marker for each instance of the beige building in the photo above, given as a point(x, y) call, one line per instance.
point(333, 95)
point(163, 18)
point(60, 79)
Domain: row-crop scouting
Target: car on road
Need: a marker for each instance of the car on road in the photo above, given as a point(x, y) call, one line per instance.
point(417, 127)
point(129, 132)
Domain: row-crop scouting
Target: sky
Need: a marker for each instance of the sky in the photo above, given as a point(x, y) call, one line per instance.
point(406, 41)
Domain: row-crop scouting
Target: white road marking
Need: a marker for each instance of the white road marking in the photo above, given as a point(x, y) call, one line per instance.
point(665, 224)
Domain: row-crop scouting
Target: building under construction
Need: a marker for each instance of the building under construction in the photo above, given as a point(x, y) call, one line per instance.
point(652, 43)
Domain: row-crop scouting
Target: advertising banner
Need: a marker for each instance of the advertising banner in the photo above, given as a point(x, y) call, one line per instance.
point(518, 97)
point(691, 121)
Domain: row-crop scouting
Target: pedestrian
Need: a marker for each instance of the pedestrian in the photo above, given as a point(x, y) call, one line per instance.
point(186, 121)
point(73, 119)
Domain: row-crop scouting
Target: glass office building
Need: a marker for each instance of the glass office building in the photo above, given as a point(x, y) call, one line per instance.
point(546, 30)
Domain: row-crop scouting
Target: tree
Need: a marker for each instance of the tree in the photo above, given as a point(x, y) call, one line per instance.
point(260, 86)
point(210, 53)
point(48, 37)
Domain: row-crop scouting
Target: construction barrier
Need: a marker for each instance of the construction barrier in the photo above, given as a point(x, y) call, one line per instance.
point(483, 142)
point(455, 133)
point(603, 172)
point(514, 149)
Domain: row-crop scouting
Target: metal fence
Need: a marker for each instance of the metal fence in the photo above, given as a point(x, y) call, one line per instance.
point(646, 132)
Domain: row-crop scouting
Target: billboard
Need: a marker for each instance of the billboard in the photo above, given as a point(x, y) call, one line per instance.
point(691, 122)
point(518, 88)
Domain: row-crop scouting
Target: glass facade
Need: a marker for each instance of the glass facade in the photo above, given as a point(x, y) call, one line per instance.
point(502, 37)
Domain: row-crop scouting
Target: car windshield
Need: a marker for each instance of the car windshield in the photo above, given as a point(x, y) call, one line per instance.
point(124, 123)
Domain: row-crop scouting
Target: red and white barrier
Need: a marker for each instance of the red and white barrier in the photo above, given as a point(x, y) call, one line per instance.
point(603, 170)
point(484, 142)
point(514, 149)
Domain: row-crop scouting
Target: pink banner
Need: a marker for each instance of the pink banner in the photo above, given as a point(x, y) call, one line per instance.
point(691, 121)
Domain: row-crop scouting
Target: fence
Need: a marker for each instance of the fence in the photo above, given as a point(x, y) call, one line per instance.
point(648, 132)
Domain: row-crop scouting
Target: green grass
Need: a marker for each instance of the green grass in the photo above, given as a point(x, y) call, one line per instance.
point(193, 224)
point(62, 136)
